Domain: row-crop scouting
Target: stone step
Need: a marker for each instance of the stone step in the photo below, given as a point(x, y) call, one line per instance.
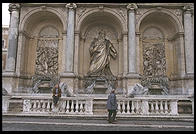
point(99, 107)
point(100, 111)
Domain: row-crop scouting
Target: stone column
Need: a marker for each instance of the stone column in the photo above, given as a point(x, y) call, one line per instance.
point(13, 37)
point(132, 63)
point(189, 40)
point(69, 48)
point(76, 60)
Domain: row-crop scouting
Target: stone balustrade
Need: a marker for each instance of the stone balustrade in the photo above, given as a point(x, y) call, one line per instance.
point(159, 105)
point(152, 105)
point(66, 105)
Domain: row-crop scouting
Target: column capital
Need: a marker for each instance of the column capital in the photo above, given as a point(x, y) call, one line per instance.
point(71, 5)
point(188, 9)
point(14, 7)
point(132, 7)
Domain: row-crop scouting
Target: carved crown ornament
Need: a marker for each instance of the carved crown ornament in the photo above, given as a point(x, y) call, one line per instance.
point(13, 7)
point(188, 9)
point(71, 5)
point(132, 7)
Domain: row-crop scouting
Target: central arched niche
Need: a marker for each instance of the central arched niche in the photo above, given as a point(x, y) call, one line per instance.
point(89, 29)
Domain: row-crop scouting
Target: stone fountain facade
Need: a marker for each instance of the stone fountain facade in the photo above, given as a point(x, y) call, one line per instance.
point(153, 43)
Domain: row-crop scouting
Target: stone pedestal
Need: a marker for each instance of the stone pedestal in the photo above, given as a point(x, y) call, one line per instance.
point(5, 103)
point(100, 87)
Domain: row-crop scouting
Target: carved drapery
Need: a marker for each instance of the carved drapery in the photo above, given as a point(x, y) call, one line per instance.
point(47, 52)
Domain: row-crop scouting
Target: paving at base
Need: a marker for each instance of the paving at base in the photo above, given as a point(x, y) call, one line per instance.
point(11, 123)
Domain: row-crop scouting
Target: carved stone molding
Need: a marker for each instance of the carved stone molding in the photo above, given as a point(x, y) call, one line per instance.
point(80, 11)
point(43, 7)
point(13, 7)
point(71, 5)
point(178, 12)
point(123, 13)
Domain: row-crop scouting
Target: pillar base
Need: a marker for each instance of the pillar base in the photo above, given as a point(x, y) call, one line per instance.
point(133, 76)
point(68, 75)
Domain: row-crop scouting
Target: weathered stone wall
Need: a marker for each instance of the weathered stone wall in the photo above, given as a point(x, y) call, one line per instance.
point(125, 25)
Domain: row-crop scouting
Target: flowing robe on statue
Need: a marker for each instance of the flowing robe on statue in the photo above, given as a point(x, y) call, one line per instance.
point(100, 52)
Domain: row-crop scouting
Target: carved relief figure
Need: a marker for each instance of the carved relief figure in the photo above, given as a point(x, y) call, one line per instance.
point(101, 51)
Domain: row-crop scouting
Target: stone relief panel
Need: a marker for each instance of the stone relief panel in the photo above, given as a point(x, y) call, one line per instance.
point(154, 62)
point(47, 52)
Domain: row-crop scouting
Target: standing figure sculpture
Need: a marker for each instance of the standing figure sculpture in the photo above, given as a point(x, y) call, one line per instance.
point(101, 51)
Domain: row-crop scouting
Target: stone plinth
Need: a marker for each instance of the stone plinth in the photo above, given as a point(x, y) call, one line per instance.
point(100, 87)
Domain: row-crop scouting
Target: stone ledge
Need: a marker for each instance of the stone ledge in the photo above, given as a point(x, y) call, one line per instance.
point(121, 117)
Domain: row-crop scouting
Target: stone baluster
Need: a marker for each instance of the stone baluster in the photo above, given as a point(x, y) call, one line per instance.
point(152, 107)
point(118, 112)
point(166, 107)
point(128, 107)
point(67, 107)
point(132, 107)
point(69, 54)
point(72, 106)
point(76, 106)
point(30, 106)
point(48, 106)
point(13, 37)
point(44, 106)
point(34, 105)
point(156, 107)
point(123, 107)
point(161, 107)
point(39, 106)
point(137, 107)
point(81, 107)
